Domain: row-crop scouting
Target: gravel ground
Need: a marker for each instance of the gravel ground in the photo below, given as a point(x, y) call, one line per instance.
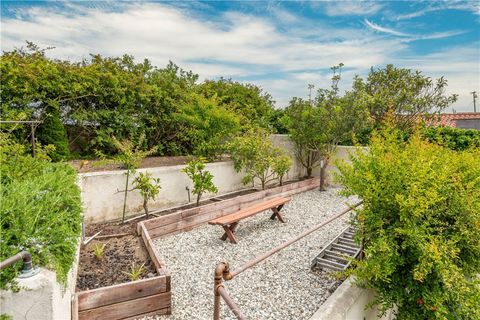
point(282, 287)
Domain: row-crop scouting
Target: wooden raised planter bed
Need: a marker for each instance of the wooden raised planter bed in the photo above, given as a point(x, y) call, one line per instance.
point(188, 219)
point(152, 296)
point(129, 300)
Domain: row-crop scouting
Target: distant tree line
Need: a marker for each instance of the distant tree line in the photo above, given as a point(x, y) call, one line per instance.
point(83, 104)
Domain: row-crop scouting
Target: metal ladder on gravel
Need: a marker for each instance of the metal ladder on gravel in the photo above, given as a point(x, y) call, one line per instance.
point(338, 254)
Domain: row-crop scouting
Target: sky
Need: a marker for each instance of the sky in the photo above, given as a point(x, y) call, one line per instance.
point(281, 46)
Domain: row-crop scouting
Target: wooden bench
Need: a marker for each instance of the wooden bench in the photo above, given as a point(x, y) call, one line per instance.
point(230, 222)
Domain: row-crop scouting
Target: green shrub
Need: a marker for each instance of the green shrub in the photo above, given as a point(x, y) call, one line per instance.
point(453, 138)
point(40, 211)
point(149, 188)
point(421, 225)
point(52, 132)
point(255, 154)
point(201, 178)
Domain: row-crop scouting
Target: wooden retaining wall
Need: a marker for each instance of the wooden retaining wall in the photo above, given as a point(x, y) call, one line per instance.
point(190, 218)
point(130, 300)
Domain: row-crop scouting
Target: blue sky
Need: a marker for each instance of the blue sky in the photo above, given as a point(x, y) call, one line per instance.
point(280, 45)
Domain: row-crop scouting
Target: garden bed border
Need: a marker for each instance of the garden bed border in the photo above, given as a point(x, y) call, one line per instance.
point(185, 220)
point(131, 300)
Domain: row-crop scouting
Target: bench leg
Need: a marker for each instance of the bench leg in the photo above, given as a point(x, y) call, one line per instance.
point(276, 213)
point(229, 233)
point(232, 228)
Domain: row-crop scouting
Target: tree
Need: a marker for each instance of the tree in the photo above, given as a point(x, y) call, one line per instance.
point(201, 178)
point(302, 128)
point(206, 127)
point(419, 221)
point(248, 101)
point(410, 95)
point(149, 188)
point(281, 165)
point(130, 155)
point(52, 132)
point(317, 128)
point(254, 153)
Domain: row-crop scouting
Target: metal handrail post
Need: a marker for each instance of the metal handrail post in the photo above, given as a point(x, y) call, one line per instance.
point(222, 271)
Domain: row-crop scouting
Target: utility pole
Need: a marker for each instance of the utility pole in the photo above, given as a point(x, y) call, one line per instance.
point(474, 95)
point(310, 87)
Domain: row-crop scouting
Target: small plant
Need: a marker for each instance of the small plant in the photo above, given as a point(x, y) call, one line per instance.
point(136, 271)
point(280, 167)
point(202, 179)
point(99, 250)
point(130, 156)
point(149, 188)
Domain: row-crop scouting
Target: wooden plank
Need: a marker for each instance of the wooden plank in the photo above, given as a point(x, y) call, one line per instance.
point(74, 309)
point(129, 308)
point(159, 312)
point(121, 292)
point(159, 264)
point(250, 211)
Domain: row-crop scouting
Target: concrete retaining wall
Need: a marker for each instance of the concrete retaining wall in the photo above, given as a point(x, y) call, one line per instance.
point(102, 200)
point(348, 303)
point(41, 297)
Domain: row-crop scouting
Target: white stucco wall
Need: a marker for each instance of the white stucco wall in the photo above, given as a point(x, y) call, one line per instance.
point(348, 303)
point(41, 296)
point(102, 200)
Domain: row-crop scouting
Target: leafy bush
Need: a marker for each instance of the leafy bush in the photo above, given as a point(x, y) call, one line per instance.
point(453, 138)
point(255, 154)
point(201, 178)
point(149, 188)
point(421, 225)
point(40, 211)
point(281, 164)
point(206, 126)
point(104, 96)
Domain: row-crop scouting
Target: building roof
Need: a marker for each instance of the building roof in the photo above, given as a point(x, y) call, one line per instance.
point(450, 119)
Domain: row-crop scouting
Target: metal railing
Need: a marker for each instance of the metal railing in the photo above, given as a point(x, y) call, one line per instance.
point(222, 271)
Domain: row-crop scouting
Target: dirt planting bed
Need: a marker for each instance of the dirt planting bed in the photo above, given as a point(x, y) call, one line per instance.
point(120, 253)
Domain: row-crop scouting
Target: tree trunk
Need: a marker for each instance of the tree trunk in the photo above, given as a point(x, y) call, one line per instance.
point(309, 172)
point(323, 175)
point(198, 199)
point(125, 197)
point(145, 207)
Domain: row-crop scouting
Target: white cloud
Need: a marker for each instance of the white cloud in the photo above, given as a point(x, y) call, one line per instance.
point(381, 29)
point(350, 8)
point(471, 6)
point(234, 45)
point(459, 65)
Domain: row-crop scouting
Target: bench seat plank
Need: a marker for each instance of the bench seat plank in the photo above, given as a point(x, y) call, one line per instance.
point(250, 211)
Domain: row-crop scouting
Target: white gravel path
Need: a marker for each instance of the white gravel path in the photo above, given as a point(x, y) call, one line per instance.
point(282, 287)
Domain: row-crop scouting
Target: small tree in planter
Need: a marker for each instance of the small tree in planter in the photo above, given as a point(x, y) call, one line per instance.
point(281, 165)
point(201, 178)
point(130, 155)
point(254, 153)
point(149, 188)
